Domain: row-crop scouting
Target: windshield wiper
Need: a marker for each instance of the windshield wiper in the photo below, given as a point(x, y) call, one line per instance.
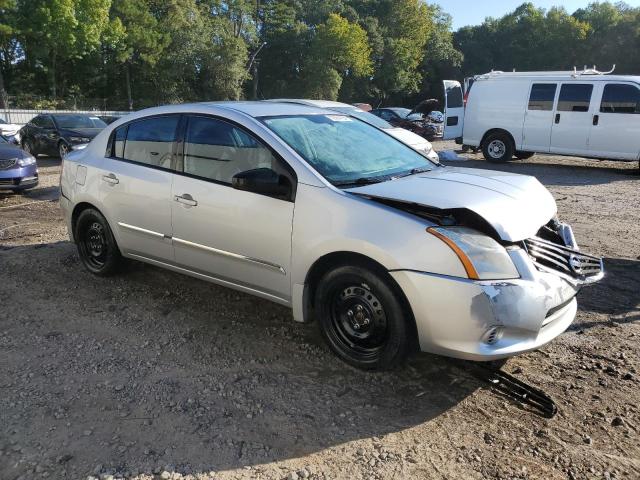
point(413, 171)
point(361, 181)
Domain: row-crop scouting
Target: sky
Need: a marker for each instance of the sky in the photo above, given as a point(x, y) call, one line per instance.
point(473, 12)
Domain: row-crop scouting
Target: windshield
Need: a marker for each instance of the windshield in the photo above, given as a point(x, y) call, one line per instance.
point(78, 121)
point(370, 118)
point(2, 120)
point(3, 140)
point(345, 150)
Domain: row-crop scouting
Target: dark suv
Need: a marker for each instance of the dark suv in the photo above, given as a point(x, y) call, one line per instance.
point(58, 133)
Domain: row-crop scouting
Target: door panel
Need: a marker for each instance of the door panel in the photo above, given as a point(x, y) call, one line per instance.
point(538, 120)
point(135, 187)
point(453, 110)
point(572, 119)
point(137, 200)
point(615, 131)
point(233, 235)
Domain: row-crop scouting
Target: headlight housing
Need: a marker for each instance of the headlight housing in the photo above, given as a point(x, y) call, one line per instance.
point(79, 139)
point(482, 257)
point(26, 161)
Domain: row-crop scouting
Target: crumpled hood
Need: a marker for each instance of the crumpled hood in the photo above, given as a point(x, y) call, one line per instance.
point(516, 206)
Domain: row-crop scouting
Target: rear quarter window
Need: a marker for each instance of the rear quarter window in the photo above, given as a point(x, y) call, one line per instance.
point(620, 98)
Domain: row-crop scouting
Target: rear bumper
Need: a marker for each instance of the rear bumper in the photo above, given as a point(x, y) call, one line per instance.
point(488, 320)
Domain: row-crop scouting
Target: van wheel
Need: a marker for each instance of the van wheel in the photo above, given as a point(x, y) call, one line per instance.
point(524, 155)
point(96, 245)
point(362, 319)
point(497, 148)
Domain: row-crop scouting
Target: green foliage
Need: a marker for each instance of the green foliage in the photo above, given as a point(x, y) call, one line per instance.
point(137, 53)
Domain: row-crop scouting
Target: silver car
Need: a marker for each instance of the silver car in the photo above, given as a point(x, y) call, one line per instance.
point(387, 252)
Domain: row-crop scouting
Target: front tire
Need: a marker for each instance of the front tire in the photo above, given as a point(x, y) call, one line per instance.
point(362, 318)
point(63, 149)
point(498, 148)
point(97, 247)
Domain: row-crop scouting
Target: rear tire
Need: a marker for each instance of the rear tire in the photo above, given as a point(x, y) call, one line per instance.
point(362, 319)
point(97, 247)
point(524, 155)
point(498, 148)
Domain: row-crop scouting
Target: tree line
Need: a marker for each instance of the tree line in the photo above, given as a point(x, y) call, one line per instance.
point(129, 54)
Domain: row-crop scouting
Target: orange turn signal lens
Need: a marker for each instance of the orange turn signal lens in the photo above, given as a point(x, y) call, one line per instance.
point(466, 263)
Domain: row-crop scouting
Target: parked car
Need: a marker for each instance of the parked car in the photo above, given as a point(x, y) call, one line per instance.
point(59, 133)
point(9, 131)
point(363, 106)
point(416, 142)
point(18, 169)
point(587, 114)
point(386, 250)
point(108, 119)
point(409, 120)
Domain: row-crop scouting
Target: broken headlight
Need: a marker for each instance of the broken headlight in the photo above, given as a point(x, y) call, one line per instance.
point(482, 257)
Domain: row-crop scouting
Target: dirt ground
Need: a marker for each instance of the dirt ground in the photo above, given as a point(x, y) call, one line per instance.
point(156, 375)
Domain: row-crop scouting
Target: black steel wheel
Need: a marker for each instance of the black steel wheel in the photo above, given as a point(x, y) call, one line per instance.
point(362, 318)
point(96, 245)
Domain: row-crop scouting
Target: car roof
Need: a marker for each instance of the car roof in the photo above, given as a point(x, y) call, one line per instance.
point(266, 109)
point(314, 103)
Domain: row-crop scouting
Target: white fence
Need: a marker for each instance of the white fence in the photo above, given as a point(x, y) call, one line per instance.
point(21, 117)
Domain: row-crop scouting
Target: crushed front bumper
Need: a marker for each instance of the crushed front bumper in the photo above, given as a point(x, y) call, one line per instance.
point(488, 320)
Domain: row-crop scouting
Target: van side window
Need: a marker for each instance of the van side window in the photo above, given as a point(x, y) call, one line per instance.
point(150, 141)
point(620, 98)
point(217, 150)
point(575, 97)
point(542, 96)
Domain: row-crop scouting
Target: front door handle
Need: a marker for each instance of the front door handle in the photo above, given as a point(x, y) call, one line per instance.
point(596, 119)
point(557, 118)
point(186, 199)
point(111, 178)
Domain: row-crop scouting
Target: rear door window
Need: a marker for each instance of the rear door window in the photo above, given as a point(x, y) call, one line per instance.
point(542, 96)
point(575, 97)
point(620, 98)
point(150, 141)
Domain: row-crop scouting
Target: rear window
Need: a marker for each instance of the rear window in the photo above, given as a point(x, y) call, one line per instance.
point(148, 141)
point(542, 96)
point(620, 98)
point(575, 97)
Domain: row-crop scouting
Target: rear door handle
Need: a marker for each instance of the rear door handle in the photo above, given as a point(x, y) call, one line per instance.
point(111, 178)
point(596, 119)
point(186, 199)
point(557, 118)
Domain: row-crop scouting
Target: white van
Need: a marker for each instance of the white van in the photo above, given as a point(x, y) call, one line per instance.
point(587, 114)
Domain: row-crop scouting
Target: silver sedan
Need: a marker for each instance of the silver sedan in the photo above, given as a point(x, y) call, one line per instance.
point(388, 252)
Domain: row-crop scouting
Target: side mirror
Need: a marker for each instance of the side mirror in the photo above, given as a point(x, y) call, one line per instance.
point(263, 181)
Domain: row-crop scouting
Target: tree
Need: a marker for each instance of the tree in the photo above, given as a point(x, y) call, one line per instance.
point(338, 49)
point(134, 37)
point(7, 12)
point(60, 30)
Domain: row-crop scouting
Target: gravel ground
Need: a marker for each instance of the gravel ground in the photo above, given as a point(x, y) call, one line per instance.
point(156, 375)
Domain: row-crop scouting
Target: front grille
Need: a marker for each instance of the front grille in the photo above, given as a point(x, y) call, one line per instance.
point(6, 164)
point(7, 181)
point(562, 259)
